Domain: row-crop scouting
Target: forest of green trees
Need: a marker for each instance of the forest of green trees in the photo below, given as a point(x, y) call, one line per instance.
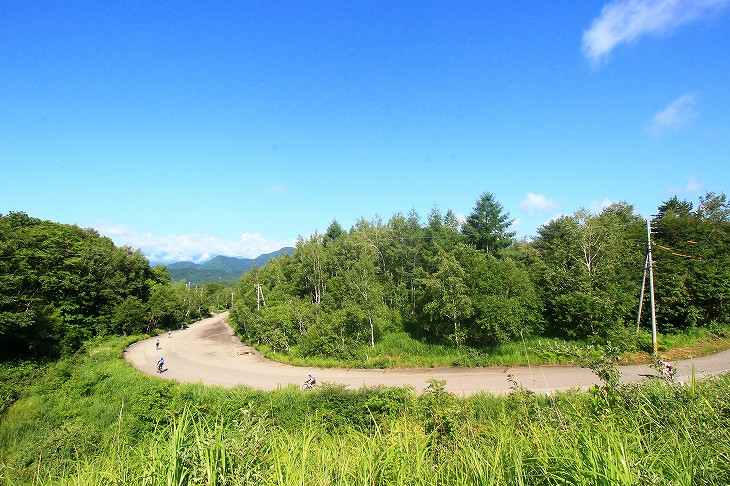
point(61, 284)
point(471, 283)
point(460, 283)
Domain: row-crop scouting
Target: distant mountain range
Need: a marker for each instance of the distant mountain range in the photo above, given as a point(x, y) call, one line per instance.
point(219, 268)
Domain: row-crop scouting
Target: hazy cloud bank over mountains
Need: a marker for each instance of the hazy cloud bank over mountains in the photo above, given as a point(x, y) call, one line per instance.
point(194, 248)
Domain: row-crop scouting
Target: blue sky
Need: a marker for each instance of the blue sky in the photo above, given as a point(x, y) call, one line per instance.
point(189, 129)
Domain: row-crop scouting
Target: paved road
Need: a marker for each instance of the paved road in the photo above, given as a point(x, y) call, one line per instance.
point(209, 352)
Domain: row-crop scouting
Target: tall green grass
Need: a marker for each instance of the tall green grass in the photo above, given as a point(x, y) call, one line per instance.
point(93, 420)
point(557, 446)
point(400, 350)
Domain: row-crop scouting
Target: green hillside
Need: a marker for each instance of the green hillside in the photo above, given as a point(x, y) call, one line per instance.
point(220, 268)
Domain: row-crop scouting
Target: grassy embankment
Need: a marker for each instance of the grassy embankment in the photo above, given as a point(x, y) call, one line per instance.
point(400, 350)
point(92, 419)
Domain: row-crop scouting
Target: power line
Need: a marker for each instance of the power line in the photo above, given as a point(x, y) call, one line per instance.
point(673, 252)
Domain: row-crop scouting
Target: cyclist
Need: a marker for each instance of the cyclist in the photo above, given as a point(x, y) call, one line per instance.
point(667, 371)
point(309, 383)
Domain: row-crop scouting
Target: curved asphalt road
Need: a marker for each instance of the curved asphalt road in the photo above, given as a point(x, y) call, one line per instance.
point(209, 352)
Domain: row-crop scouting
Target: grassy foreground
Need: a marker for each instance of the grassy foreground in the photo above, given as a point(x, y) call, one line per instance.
point(93, 420)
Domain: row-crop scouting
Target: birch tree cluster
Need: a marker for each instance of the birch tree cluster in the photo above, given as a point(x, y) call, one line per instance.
point(468, 282)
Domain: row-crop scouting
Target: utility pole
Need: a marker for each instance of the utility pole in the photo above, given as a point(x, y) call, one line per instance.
point(648, 265)
point(651, 288)
point(641, 295)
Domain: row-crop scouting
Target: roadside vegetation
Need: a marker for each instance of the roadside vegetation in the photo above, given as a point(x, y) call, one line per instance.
point(91, 419)
point(400, 350)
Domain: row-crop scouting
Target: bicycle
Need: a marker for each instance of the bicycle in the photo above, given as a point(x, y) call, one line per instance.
point(309, 383)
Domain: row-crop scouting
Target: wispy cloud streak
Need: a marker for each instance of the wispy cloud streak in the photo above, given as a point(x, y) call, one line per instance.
point(624, 21)
point(676, 115)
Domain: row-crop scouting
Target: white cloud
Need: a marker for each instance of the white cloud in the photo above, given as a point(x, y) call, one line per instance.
point(692, 185)
point(536, 203)
point(195, 247)
point(623, 21)
point(676, 115)
point(597, 206)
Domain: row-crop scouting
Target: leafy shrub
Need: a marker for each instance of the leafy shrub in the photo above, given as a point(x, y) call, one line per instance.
point(15, 378)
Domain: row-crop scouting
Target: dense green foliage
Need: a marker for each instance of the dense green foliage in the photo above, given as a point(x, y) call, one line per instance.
point(462, 284)
point(61, 284)
point(342, 290)
point(693, 261)
point(90, 419)
point(589, 271)
point(471, 284)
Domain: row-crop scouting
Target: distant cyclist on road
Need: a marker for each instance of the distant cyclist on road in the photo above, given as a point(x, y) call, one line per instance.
point(667, 370)
point(309, 383)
